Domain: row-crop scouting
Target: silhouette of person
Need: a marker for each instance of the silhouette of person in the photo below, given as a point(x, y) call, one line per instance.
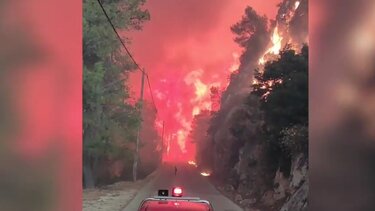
point(175, 170)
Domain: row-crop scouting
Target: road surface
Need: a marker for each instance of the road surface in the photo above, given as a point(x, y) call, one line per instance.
point(193, 184)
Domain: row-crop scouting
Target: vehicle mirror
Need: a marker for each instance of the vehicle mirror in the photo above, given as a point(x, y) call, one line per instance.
point(163, 193)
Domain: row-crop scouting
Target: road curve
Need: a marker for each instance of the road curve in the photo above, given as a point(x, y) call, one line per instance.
point(193, 184)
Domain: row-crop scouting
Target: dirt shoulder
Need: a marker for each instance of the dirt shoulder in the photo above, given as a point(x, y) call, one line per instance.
point(112, 197)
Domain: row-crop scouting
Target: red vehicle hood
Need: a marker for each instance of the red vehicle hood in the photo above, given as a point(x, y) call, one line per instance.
point(174, 206)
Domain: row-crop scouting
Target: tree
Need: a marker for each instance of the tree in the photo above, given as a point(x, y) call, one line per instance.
point(295, 140)
point(251, 33)
point(283, 90)
point(250, 24)
point(109, 122)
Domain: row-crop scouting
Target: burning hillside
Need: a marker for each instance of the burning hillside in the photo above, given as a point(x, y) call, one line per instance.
point(186, 59)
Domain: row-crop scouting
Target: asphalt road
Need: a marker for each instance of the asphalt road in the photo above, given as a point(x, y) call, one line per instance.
point(193, 184)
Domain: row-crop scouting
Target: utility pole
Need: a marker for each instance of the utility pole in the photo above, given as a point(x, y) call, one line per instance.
point(136, 154)
point(162, 135)
point(162, 144)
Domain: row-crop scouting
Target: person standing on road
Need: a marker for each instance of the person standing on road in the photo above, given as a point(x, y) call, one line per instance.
point(175, 170)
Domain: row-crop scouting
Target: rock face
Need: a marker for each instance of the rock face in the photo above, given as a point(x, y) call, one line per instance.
point(298, 201)
point(288, 193)
point(298, 171)
point(248, 202)
point(250, 172)
point(299, 186)
point(281, 186)
point(238, 198)
point(267, 198)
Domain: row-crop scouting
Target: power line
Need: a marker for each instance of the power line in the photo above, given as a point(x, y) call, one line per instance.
point(135, 164)
point(129, 54)
point(118, 36)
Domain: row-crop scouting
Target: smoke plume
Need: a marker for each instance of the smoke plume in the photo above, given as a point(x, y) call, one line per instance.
point(187, 48)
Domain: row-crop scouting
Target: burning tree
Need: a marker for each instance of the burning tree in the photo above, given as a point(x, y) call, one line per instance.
point(261, 125)
point(283, 91)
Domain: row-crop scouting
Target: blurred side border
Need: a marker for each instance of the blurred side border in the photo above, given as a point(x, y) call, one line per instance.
point(40, 105)
point(342, 105)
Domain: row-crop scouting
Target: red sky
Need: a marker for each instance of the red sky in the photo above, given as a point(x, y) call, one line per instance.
point(186, 47)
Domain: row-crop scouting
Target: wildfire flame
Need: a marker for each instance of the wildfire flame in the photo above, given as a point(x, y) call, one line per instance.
point(201, 89)
point(276, 40)
point(200, 84)
point(191, 162)
point(262, 61)
point(296, 5)
point(255, 82)
point(201, 101)
point(205, 174)
point(196, 111)
point(276, 37)
point(181, 137)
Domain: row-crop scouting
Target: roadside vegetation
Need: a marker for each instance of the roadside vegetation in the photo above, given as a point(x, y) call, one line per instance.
point(110, 118)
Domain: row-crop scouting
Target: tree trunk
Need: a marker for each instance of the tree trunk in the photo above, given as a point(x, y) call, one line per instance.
point(88, 177)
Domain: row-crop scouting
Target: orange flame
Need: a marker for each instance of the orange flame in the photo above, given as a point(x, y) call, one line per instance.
point(255, 82)
point(201, 89)
point(193, 163)
point(296, 5)
point(205, 174)
point(196, 111)
point(276, 39)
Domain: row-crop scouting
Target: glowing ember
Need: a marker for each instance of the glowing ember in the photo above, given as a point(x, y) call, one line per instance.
point(266, 94)
point(196, 111)
point(205, 174)
point(262, 61)
point(191, 162)
point(296, 4)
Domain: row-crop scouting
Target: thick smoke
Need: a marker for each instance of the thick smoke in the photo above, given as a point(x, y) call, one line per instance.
point(187, 48)
point(298, 26)
point(255, 46)
point(262, 41)
point(292, 21)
